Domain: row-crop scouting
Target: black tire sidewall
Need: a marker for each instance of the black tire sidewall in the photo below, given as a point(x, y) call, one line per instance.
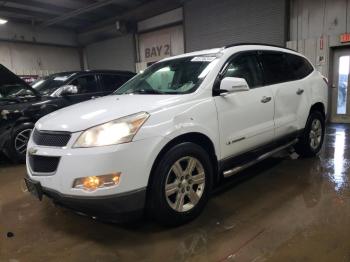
point(158, 205)
point(305, 147)
point(12, 152)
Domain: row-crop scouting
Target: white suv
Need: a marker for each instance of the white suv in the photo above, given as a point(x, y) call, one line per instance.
point(163, 140)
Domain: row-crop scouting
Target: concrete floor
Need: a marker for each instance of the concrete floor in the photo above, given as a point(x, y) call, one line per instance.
point(285, 209)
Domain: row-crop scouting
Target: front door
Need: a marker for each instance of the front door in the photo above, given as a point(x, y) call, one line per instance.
point(245, 118)
point(340, 111)
point(88, 88)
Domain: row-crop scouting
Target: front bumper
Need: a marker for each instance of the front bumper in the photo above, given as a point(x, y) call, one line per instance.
point(119, 207)
point(133, 160)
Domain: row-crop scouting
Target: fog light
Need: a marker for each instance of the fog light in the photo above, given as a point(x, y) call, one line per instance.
point(91, 183)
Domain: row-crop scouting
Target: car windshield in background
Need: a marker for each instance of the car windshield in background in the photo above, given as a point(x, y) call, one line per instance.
point(177, 76)
point(46, 85)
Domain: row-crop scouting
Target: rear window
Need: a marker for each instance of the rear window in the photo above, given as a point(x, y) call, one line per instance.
point(283, 67)
point(299, 66)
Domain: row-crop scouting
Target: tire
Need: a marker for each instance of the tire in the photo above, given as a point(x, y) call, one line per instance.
point(17, 146)
point(193, 195)
point(311, 141)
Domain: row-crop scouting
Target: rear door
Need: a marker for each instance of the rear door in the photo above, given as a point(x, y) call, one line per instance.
point(245, 118)
point(288, 91)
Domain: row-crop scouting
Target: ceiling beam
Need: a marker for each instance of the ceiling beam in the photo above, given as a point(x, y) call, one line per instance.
point(71, 4)
point(143, 11)
point(33, 15)
point(38, 5)
point(79, 11)
point(38, 17)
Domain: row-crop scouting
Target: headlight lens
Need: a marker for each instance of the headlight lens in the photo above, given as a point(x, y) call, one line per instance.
point(114, 132)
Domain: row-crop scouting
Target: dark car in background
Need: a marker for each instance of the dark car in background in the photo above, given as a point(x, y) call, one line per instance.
point(21, 104)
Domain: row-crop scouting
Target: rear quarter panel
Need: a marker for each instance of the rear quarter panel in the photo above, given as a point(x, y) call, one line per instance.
point(317, 92)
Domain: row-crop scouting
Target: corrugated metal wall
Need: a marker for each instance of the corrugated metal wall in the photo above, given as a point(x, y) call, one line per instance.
point(25, 33)
point(117, 53)
point(314, 18)
point(217, 23)
point(313, 22)
point(32, 59)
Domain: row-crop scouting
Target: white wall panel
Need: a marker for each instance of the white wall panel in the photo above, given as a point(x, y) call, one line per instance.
point(27, 33)
point(159, 41)
point(171, 17)
point(38, 59)
point(314, 18)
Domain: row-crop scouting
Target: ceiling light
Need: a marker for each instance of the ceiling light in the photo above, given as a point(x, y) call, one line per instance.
point(3, 21)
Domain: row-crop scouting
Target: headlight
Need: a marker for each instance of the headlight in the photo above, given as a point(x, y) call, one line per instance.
point(114, 132)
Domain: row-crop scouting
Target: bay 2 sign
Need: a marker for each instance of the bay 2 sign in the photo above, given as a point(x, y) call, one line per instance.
point(154, 48)
point(157, 51)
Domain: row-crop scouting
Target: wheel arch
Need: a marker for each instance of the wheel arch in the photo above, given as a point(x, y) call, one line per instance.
point(320, 107)
point(197, 138)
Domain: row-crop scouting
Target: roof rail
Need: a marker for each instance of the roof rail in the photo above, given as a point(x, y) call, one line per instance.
point(240, 44)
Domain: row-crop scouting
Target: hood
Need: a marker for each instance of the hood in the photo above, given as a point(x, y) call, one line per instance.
point(8, 79)
point(98, 111)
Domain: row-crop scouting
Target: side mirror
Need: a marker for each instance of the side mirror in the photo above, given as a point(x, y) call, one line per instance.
point(65, 90)
point(233, 84)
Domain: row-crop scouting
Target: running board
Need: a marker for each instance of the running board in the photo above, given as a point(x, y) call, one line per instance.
point(238, 169)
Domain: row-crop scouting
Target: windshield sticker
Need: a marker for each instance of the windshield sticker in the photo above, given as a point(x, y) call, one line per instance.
point(63, 78)
point(60, 78)
point(203, 59)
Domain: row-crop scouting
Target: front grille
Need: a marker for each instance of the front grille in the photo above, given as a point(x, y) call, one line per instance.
point(43, 164)
point(56, 139)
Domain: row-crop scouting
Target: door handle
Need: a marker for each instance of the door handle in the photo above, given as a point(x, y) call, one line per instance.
point(300, 91)
point(94, 97)
point(266, 99)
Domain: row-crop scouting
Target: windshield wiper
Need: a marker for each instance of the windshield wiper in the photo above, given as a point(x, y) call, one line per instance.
point(147, 92)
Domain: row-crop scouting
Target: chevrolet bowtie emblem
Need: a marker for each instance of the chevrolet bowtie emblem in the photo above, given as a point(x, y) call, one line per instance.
point(32, 151)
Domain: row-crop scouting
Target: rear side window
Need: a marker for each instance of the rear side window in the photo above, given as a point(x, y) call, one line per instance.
point(112, 82)
point(245, 66)
point(276, 68)
point(299, 66)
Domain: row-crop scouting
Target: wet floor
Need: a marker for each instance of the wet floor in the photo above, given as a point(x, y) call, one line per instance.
point(284, 209)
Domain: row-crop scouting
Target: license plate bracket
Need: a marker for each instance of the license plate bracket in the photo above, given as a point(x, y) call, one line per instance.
point(34, 188)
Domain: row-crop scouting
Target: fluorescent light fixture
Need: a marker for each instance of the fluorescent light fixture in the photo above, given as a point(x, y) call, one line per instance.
point(3, 21)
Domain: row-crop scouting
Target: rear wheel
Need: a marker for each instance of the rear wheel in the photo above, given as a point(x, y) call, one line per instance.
point(18, 144)
point(310, 143)
point(180, 185)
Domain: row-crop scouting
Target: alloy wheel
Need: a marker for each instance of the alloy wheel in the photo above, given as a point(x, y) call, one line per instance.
point(21, 141)
point(315, 134)
point(185, 184)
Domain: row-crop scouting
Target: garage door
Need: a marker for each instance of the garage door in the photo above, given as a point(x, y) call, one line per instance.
point(217, 23)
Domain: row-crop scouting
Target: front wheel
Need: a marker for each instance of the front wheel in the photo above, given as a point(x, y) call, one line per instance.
point(311, 141)
point(17, 147)
point(180, 185)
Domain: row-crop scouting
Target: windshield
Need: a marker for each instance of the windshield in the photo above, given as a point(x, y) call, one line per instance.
point(46, 85)
point(177, 76)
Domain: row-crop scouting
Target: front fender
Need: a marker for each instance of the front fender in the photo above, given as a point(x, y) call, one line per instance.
point(196, 116)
